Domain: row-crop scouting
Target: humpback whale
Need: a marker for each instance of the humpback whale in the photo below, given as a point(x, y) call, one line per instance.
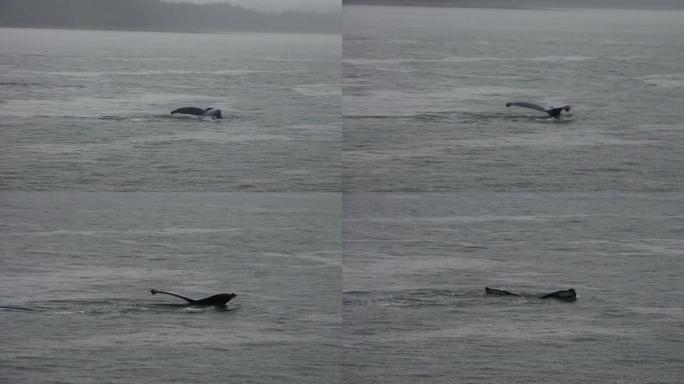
point(553, 111)
point(216, 300)
point(566, 295)
point(216, 113)
point(498, 292)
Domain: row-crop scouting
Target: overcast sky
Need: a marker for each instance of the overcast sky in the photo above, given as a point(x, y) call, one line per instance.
point(279, 5)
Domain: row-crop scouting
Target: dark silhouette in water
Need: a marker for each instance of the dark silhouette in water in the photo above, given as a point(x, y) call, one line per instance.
point(498, 292)
point(553, 112)
point(216, 300)
point(199, 111)
point(567, 295)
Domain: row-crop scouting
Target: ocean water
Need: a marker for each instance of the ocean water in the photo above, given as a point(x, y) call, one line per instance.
point(77, 268)
point(425, 92)
point(447, 191)
point(104, 196)
point(90, 111)
point(416, 264)
point(359, 226)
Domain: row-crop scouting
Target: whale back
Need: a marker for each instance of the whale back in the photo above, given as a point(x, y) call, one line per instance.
point(498, 292)
point(189, 111)
point(212, 112)
point(567, 295)
point(216, 300)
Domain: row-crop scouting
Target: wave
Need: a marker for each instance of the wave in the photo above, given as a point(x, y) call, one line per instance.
point(465, 59)
point(155, 72)
point(410, 298)
point(317, 90)
point(14, 308)
point(106, 307)
point(157, 232)
point(674, 80)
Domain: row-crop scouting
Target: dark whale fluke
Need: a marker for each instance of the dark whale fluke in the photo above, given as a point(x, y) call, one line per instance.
point(498, 292)
point(553, 112)
point(199, 111)
point(216, 300)
point(567, 295)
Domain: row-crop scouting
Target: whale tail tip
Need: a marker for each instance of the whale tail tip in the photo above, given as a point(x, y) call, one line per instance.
point(508, 104)
point(153, 291)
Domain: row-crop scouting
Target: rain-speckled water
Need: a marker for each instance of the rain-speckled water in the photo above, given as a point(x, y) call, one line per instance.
point(447, 191)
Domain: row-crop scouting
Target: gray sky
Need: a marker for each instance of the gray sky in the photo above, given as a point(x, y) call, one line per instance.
point(279, 5)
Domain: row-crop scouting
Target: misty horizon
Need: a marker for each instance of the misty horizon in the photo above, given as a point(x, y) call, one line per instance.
point(523, 4)
point(321, 6)
point(160, 15)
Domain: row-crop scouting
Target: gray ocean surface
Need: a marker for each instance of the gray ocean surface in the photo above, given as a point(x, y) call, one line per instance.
point(448, 191)
point(89, 110)
point(76, 271)
point(105, 196)
point(425, 92)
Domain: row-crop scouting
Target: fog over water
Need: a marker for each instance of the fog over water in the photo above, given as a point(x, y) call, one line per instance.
point(281, 5)
point(531, 4)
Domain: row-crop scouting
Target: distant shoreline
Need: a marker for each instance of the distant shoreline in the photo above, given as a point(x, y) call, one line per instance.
point(210, 32)
point(158, 15)
point(447, 4)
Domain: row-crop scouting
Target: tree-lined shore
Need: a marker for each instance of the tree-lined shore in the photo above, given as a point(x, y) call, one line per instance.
point(159, 15)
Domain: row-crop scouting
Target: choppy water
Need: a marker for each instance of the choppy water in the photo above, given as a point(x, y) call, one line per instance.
point(89, 110)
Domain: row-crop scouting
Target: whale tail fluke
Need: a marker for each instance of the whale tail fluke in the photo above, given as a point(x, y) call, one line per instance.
point(189, 300)
point(216, 300)
point(195, 111)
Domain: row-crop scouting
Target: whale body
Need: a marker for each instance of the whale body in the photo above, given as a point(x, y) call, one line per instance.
point(566, 295)
point(216, 113)
point(216, 300)
point(553, 111)
point(498, 292)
